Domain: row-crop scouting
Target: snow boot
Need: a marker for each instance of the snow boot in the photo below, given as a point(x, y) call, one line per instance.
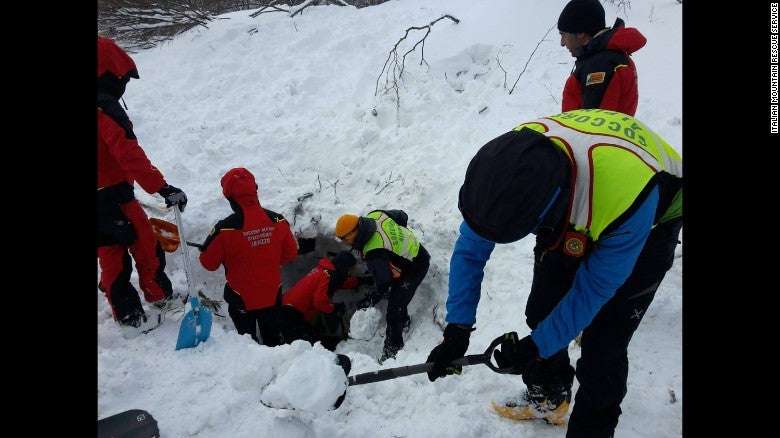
point(345, 363)
point(389, 351)
point(134, 319)
point(532, 406)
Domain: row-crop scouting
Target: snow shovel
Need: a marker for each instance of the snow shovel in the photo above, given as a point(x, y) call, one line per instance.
point(394, 373)
point(196, 325)
point(166, 233)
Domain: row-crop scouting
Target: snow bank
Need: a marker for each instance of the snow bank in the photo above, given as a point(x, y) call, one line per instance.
point(364, 323)
point(311, 381)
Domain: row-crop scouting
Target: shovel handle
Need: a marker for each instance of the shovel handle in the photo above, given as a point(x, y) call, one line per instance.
point(185, 257)
point(392, 373)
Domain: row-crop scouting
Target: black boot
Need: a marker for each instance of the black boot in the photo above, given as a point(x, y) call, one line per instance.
point(134, 318)
point(390, 350)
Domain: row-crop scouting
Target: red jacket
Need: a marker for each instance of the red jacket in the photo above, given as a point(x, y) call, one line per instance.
point(252, 244)
point(310, 294)
point(604, 75)
point(120, 157)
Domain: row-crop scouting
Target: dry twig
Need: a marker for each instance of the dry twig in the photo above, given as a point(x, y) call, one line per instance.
point(394, 70)
point(529, 58)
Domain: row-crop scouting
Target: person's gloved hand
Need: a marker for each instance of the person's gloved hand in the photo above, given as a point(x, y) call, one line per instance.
point(518, 354)
point(173, 196)
point(371, 299)
point(306, 245)
point(454, 346)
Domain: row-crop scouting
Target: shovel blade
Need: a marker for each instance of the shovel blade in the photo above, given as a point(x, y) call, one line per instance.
point(166, 233)
point(195, 325)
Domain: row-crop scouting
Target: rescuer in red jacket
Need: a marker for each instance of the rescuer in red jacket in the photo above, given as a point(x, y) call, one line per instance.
point(252, 244)
point(122, 223)
point(604, 75)
point(313, 294)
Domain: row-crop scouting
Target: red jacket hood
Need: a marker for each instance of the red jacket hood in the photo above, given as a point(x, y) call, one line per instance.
point(239, 185)
point(626, 39)
point(112, 59)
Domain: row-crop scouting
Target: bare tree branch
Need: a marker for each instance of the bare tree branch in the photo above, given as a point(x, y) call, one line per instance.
point(334, 184)
point(294, 9)
point(551, 95)
point(625, 5)
point(395, 71)
point(502, 69)
point(436, 321)
point(529, 58)
point(272, 4)
point(388, 182)
point(141, 24)
point(298, 9)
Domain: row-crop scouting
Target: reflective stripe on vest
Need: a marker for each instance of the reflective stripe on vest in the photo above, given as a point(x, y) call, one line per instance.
point(615, 156)
point(392, 237)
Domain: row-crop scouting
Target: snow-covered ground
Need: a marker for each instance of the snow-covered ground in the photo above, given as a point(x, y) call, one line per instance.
point(292, 102)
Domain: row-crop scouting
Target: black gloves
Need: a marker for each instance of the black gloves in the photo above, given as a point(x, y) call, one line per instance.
point(365, 303)
point(373, 297)
point(173, 196)
point(306, 245)
point(520, 355)
point(454, 346)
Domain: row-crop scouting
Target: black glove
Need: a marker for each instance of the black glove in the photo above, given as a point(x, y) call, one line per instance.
point(454, 346)
point(373, 297)
point(366, 281)
point(173, 196)
point(518, 354)
point(306, 245)
point(365, 303)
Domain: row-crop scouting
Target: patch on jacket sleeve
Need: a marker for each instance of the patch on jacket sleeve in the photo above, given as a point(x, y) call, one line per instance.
point(276, 217)
point(595, 78)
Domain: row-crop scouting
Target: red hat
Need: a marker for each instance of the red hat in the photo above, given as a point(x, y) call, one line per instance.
point(238, 182)
point(114, 60)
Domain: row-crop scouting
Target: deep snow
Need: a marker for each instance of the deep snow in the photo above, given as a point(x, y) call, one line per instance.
point(293, 103)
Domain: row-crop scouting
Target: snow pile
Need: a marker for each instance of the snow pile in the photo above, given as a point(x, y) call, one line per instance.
point(312, 381)
point(293, 102)
point(364, 323)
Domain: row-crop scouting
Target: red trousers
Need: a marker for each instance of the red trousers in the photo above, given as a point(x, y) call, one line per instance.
point(115, 267)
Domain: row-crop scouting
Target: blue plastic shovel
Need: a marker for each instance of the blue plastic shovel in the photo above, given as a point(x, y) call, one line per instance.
point(196, 325)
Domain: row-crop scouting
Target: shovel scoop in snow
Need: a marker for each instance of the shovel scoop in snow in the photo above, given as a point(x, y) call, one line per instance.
point(196, 325)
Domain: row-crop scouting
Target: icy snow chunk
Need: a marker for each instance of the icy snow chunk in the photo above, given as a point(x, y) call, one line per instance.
point(312, 381)
point(364, 323)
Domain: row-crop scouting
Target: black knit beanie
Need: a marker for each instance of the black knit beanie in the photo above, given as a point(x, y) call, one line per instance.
point(510, 183)
point(582, 16)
